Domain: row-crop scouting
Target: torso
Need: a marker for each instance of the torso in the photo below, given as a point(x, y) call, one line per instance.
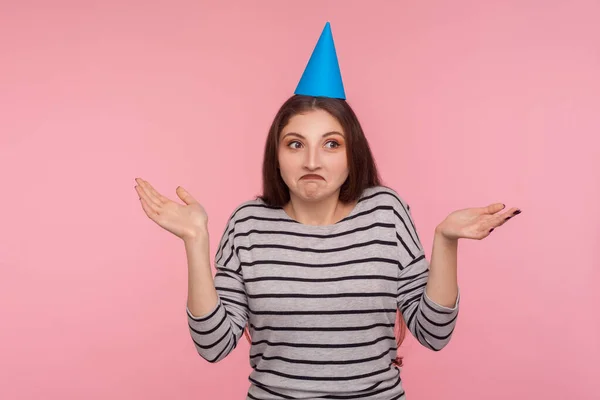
point(322, 300)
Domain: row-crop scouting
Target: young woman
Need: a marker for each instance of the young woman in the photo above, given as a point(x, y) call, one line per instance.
point(322, 267)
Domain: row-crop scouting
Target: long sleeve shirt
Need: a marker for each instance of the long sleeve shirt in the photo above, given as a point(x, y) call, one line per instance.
point(320, 301)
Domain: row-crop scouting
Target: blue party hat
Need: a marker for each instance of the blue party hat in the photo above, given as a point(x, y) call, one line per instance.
point(322, 75)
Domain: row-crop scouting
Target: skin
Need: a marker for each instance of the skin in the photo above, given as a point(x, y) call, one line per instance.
point(313, 164)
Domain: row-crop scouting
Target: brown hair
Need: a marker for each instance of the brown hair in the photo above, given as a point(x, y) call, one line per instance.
point(362, 168)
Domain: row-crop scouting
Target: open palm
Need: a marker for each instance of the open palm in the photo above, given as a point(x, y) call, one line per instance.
point(183, 220)
point(475, 223)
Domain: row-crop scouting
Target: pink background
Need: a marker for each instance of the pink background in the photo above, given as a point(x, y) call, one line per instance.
point(464, 102)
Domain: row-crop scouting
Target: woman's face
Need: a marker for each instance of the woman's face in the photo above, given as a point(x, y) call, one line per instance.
point(312, 155)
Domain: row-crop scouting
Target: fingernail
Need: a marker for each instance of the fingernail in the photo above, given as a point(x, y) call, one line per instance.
point(517, 212)
point(491, 230)
point(507, 218)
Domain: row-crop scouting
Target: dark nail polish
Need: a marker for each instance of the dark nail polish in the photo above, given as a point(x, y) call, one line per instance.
point(507, 218)
point(517, 212)
point(491, 230)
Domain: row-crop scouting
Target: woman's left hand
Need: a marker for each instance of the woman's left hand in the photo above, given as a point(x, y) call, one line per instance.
point(475, 223)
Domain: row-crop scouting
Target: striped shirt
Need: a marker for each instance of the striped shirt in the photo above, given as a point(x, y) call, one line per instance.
point(321, 301)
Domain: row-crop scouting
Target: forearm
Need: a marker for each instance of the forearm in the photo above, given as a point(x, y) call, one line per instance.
point(217, 306)
point(442, 285)
point(202, 295)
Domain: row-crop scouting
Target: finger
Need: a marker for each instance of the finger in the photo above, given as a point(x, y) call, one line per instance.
point(501, 219)
point(151, 193)
point(148, 209)
point(509, 214)
point(143, 188)
point(143, 195)
point(494, 208)
point(184, 195)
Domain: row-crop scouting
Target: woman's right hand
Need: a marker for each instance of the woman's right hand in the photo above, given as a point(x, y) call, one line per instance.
point(186, 221)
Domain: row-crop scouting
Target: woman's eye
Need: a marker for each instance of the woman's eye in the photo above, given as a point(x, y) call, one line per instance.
point(334, 143)
point(293, 144)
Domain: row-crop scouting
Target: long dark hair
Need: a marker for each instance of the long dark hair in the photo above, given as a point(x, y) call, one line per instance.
point(361, 164)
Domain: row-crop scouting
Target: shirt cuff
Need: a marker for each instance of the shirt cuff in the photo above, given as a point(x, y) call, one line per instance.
point(206, 316)
point(441, 308)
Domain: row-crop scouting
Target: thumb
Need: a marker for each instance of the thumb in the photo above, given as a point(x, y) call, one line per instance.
point(185, 196)
point(494, 208)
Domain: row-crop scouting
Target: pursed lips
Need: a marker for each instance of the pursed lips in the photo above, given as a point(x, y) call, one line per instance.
point(313, 176)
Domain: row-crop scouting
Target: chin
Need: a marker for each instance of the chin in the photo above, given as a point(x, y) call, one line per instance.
point(312, 197)
point(321, 192)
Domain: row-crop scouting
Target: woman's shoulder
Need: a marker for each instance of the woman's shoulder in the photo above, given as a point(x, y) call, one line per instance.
point(384, 195)
point(254, 207)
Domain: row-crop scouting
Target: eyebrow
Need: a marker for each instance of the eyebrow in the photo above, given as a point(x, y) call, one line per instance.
point(302, 137)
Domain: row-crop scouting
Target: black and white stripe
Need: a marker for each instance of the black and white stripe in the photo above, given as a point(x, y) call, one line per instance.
point(321, 301)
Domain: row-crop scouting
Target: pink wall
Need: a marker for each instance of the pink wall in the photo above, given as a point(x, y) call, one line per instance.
point(465, 103)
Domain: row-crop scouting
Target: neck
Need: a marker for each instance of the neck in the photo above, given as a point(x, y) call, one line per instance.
point(323, 212)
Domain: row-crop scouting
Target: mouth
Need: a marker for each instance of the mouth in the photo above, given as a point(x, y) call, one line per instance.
point(312, 177)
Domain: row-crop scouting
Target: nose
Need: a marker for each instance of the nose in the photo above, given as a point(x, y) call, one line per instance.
point(312, 160)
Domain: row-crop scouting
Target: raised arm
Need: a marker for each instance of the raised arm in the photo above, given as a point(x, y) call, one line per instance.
point(217, 309)
point(430, 322)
